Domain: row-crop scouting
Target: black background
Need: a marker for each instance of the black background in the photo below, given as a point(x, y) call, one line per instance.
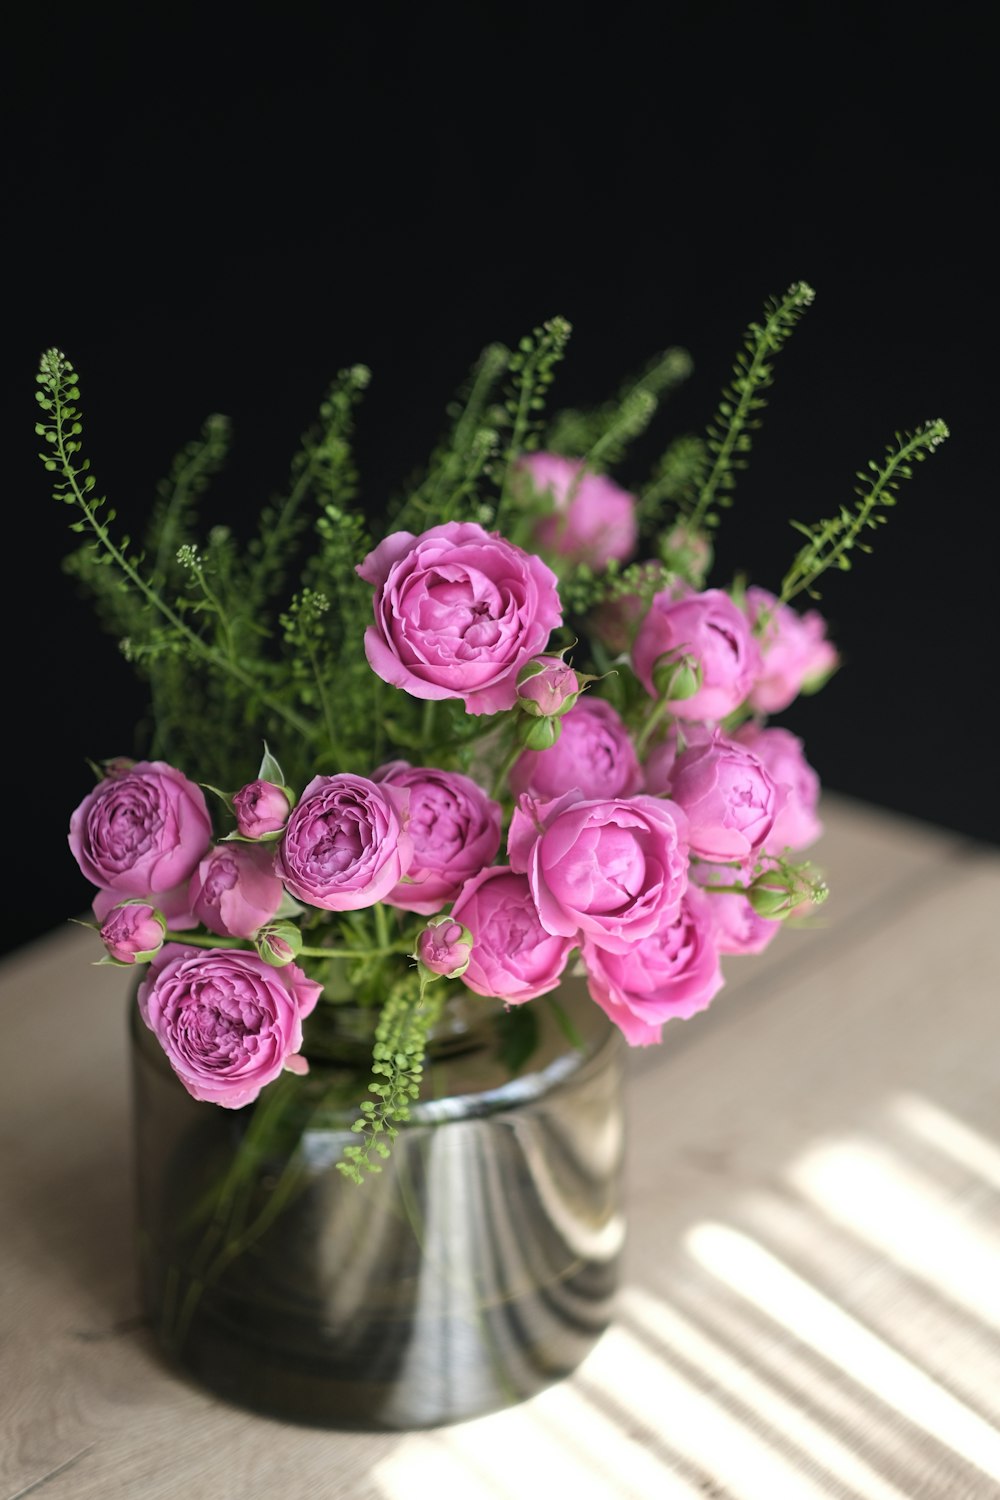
point(216, 216)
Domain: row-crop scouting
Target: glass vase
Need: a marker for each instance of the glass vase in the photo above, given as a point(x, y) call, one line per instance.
point(475, 1269)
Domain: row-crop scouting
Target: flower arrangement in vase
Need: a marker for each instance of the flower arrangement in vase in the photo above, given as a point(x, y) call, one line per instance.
point(512, 735)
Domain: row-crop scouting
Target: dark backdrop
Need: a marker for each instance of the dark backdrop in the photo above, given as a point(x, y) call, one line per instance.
point(213, 216)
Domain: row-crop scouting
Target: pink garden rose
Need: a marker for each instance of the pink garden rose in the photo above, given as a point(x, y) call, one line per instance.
point(234, 890)
point(141, 833)
point(133, 932)
point(729, 798)
point(594, 753)
point(261, 808)
point(610, 871)
point(345, 845)
point(458, 612)
point(674, 972)
point(455, 829)
point(796, 825)
point(795, 655)
point(512, 954)
point(593, 520)
point(708, 629)
point(227, 1021)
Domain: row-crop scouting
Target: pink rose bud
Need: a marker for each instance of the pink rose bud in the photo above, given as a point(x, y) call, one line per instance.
point(261, 808)
point(444, 948)
point(133, 932)
point(547, 686)
point(278, 943)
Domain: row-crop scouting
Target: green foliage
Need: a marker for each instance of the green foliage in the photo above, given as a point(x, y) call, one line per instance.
point(453, 486)
point(398, 1059)
point(829, 543)
point(601, 436)
point(532, 370)
point(728, 436)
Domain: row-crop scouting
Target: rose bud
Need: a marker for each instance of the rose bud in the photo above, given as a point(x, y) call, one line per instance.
point(444, 948)
point(677, 677)
point(779, 893)
point(539, 734)
point(278, 943)
point(547, 686)
point(133, 932)
point(261, 809)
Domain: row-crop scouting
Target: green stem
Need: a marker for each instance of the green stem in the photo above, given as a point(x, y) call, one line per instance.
point(655, 719)
point(209, 940)
point(505, 769)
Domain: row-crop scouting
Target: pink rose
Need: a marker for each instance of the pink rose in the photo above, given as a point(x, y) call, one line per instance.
point(455, 830)
point(796, 824)
point(708, 630)
point(227, 1021)
point(234, 890)
point(594, 753)
point(133, 932)
point(674, 972)
point(547, 686)
point(458, 612)
point(729, 798)
point(140, 832)
point(738, 928)
point(592, 519)
point(260, 808)
point(345, 845)
point(608, 871)
point(512, 954)
point(795, 655)
point(445, 948)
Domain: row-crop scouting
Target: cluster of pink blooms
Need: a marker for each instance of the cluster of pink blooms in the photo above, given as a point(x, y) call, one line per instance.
point(614, 845)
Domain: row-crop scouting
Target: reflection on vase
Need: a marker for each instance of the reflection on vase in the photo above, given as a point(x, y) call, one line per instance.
point(475, 1270)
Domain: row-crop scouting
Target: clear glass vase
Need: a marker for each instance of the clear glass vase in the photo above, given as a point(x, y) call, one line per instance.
point(477, 1268)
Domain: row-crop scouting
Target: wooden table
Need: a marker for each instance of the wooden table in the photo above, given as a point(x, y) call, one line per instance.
point(812, 1299)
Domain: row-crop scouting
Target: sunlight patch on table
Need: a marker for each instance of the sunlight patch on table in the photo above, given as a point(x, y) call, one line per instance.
point(904, 1214)
point(939, 1128)
point(755, 1274)
point(677, 1334)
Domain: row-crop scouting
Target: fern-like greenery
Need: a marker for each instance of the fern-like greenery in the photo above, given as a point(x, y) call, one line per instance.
point(829, 543)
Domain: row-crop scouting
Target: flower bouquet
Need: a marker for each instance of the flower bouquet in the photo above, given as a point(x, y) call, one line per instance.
point(514, 741)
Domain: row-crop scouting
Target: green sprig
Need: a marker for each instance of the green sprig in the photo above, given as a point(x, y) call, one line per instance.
point(830, 543)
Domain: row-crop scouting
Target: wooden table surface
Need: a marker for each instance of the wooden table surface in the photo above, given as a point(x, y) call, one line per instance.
point(812, 1294)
